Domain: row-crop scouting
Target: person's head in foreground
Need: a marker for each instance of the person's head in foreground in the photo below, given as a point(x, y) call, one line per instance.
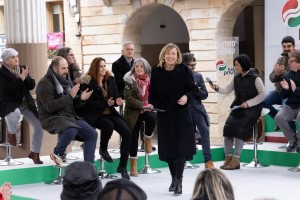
point(122, 189)
point(81, 181)
point(212, 184)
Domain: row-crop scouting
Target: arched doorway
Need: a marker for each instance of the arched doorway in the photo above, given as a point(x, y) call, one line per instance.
point(153, 26)
point(245, 19)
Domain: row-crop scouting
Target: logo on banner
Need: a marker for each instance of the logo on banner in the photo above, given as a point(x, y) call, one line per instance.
point(291, 13)
point(221, 65)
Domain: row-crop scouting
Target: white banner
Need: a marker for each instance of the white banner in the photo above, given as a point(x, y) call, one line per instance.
point(282, 18)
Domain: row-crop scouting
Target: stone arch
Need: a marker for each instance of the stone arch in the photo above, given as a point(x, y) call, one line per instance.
point(152, 26)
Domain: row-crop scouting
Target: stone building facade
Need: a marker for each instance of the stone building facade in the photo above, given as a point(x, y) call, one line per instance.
point(95, 28)
point(195, 25)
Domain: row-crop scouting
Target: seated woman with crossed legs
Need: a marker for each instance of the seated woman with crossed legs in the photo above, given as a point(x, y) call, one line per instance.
point(100, 111)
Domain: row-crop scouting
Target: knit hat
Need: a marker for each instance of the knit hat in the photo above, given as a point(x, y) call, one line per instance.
point(8, 53)
point(122, 189)
point(80, 181)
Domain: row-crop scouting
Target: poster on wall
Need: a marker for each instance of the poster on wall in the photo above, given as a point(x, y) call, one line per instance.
point(55, 40)
point(2, 44)
point(227, 50)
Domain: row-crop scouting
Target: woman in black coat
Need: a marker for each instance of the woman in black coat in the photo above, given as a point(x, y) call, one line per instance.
point(171, 86)
point(100, 111)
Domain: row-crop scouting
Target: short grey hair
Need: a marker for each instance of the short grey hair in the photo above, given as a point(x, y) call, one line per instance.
point(187, 58)
point(145, 65)
point(126, 43)
point(9, 52)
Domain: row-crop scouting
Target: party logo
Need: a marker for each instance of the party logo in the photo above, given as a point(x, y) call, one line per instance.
point(221, 65)
point(291, 13)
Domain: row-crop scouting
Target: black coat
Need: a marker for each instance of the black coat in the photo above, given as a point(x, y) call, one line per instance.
point(176, 139)
point(13, 90)
point(95, 105)
point(120, 67)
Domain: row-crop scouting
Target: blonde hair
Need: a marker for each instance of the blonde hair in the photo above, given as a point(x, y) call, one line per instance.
point(212, 184)
point(166, 49)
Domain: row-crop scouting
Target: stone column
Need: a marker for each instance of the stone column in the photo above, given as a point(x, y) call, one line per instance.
point(25, 28)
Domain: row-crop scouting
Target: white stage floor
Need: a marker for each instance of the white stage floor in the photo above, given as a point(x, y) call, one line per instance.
point(249, 183)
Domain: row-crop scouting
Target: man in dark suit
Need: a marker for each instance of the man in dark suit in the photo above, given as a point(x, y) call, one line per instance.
point(121, 66)
point(198, 111)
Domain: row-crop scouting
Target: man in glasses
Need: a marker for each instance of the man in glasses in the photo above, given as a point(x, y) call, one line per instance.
point(198, 111)
point(280, 68)
point(291, 91)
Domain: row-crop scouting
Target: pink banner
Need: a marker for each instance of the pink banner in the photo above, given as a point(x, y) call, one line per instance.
point(55, 40)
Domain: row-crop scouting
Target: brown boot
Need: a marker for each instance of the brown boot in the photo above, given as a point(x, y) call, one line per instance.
point(35, 157)
point(234, 164)
point(226, 162)
point(133, 166)
point(209, 165)
point(148, 144)
point(12, 139)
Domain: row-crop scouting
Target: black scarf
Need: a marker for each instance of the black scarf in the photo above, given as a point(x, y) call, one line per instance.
point(62, 85)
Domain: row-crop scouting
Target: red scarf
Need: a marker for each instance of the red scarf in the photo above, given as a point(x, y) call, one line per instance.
point(143, 82)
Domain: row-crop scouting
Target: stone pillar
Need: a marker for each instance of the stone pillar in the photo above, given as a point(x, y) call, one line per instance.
point(25, 28)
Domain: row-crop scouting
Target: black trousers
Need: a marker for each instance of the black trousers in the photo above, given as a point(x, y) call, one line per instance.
point(150, 121)
point(107, 124)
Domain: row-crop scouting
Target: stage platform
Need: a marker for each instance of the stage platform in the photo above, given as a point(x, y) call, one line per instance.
point(275, 181)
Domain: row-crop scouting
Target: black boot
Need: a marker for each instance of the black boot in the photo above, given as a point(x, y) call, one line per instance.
point(172, 186)
point(178, 186)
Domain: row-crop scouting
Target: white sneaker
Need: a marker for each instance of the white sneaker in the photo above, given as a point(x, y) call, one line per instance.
point(58, 160)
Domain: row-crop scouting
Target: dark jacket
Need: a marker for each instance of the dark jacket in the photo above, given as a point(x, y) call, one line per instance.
point(120, 67)
point(240, 122)
point(13, 90)
point(293, 98)
point(96, 104)
point(176, 139)
point(275, 78)
point(56, 110)
point(133, 101)
point(196, 101)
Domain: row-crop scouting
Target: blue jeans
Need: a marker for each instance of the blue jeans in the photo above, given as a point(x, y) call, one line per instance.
point(88, 135)
point(199, 120)
point(271, 99)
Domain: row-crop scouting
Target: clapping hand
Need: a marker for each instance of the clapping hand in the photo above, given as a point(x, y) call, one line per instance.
point(110, 101)
point(284, 84)
point(24, 73)
point(119, 101)
point(86, 94)
point(74, 90)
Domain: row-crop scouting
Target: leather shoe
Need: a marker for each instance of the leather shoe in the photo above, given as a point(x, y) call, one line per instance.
point(123, 172)
point(105, 155)
point(277, 128)
point(292, 146)
point(12, 139)
point(35, 158)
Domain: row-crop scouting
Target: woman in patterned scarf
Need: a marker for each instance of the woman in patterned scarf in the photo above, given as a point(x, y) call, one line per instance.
point(136, 93)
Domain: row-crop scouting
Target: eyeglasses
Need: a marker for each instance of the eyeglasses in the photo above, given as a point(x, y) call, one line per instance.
point(192, 65)
point(290, 61)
